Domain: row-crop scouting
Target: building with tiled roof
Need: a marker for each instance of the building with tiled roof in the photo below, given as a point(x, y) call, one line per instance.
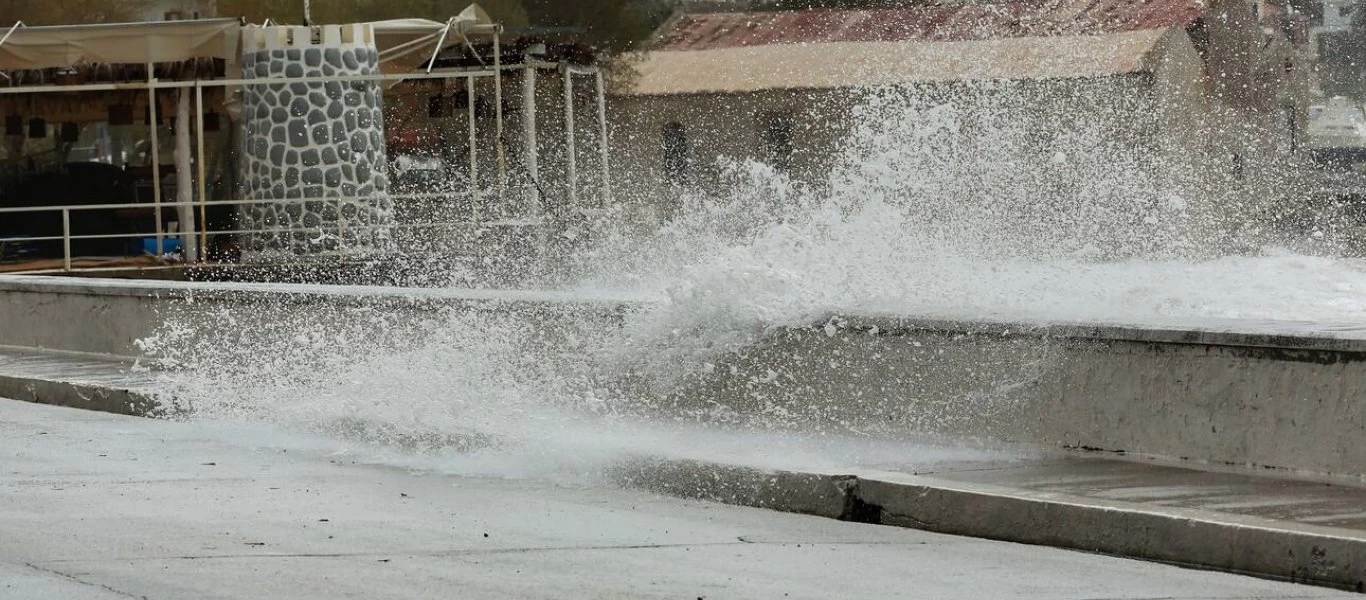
point(1220, 80)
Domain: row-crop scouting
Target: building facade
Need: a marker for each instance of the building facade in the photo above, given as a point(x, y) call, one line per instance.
point(180, 10)
point(1217, 89)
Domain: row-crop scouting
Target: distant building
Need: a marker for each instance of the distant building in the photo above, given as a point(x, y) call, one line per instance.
point(180, 10)
point(1337, 51)
point(1337, 15)
point(1337, 131)
point(1176, 78)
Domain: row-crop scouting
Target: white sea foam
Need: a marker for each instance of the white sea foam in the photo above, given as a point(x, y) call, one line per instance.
point(919, 217)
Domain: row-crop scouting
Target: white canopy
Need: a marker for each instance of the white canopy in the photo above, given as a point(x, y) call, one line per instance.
point(409, 42)
point(119, 43)
point(403, 42)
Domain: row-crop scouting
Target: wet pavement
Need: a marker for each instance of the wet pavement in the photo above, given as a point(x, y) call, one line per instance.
point(94, 505)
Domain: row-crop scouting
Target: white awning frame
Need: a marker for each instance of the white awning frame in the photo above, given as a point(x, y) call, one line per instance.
point(43, 47)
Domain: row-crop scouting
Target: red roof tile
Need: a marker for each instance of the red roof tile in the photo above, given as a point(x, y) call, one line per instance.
point(929, 23)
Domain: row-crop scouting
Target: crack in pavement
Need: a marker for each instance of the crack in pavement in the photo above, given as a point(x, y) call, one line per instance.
point(740, 541)
point(75, 579)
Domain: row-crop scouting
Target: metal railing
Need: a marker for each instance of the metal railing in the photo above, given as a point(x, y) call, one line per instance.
point(195, 233)
point(326, 231)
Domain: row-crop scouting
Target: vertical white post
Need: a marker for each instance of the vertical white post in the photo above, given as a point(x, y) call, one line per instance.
point(529, 150)
point(156, 154)
point(66, 239)
point(571, 168)
point(603, 150)
point(184, 181)
point(341, 228)
point(202, 170)
point(498, 114)
point(474, 158)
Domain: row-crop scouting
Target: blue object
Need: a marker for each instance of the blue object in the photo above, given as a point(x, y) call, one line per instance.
point(169, 245)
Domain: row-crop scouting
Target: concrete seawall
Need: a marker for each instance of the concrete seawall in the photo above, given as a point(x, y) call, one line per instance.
point(1260, 398)
point(1268, 395)
point(109, 316)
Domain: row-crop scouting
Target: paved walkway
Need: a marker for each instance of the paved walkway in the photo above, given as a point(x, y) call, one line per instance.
point(101, 506)
point(1316, 502)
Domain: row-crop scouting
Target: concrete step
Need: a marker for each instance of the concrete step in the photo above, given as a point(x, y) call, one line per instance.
point(1273, 526)
point(79, 380)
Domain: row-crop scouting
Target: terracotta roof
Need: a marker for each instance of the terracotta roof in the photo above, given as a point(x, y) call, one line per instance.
point(840, 64)
point(926, 23)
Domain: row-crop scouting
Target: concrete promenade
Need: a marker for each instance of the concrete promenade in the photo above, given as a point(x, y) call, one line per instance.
point(101, 506)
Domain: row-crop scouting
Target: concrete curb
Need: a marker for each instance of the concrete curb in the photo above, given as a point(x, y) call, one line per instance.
point(808, 493)
point(1265, 548)
point(1204, 539)
point(101, 398)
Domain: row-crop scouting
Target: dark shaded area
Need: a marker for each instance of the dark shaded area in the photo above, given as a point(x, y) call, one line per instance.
point(1342, 68)
point(61, 12)
point(74, 183)
point(607, 24)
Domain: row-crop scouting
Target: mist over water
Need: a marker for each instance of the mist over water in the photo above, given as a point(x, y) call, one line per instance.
point(962, 207)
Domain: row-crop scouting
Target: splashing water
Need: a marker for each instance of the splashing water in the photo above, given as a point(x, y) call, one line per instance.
point(954, 208)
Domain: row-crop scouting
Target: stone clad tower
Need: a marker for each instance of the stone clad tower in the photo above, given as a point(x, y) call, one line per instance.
point(315, 150)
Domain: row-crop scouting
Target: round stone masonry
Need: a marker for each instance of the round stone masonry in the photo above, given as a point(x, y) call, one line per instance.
point(314, 151)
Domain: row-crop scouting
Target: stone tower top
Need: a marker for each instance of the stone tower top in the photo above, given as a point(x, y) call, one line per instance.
point(255, 38)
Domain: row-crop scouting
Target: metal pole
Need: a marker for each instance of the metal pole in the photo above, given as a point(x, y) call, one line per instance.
point(602, 138)
point(199, 163)
point(308, 13)
point(66, 239)
point(474, 159)
point(183, 177)
point(498, 114)
point(530, 151)
point(156, 154)
point(341, 228)
point(17, 24)
point(571, 169)
point(439, 43)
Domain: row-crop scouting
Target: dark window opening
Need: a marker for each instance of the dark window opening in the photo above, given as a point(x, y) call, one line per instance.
point(1200, 38)
point(674, 142)
point(776, 136)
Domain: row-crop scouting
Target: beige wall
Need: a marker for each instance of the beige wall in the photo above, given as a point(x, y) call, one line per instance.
point(187, 9)
point(1169, 115)
point(726, 126)
point(729, 126)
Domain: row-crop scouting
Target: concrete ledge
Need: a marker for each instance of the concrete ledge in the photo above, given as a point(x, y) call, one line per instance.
point(357, 294)
point(1204, 539)
point(807, 493)
point(1236, 398)
point(1265, 548)
point(109, 316)
point(78, 395)
point(78, 380)
point(1285, 335)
